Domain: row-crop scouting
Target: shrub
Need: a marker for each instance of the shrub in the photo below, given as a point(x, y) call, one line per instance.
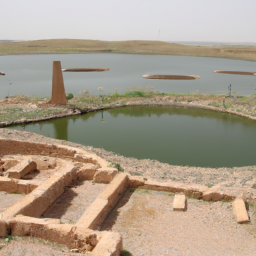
point(69, 96)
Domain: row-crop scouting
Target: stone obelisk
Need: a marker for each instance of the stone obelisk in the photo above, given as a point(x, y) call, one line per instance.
point(58, 89)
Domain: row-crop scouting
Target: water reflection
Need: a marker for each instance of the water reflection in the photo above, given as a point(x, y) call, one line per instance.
point(141, 111)
point(61, 129)
point(177, 136)
point(102, 118)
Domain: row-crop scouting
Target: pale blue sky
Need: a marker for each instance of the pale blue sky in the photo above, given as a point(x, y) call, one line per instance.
point(118, 20)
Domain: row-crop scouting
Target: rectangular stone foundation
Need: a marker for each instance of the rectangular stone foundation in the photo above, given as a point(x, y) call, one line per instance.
point(43, 196)
point(98, 210)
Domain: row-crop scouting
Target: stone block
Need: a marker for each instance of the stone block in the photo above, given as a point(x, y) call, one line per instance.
point(105, 175)
point(94, 215)
point(212, 195)
point(23, 187)
point(179, 203)
point(26, 226)
point(86, 172)
point(45, 164)
point(22, 169)
point(136, 181)
point(111, 244)
point(116, 188)
point(216, 194)
point(240, 211)
point(8, 164)
point(8, 185)
point(32, 187)
point(3, 229)
point(84, 240)
point(192, 190)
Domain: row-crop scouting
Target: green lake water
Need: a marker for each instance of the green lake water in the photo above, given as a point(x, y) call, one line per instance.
point(178, 136)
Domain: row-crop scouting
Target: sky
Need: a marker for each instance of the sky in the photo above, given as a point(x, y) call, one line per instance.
point(120, 20)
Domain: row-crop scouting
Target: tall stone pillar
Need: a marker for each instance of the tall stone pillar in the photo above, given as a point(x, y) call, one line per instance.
point(58, 89)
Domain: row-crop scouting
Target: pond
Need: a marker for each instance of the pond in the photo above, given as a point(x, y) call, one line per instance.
point(32, 74)
point(178, 136)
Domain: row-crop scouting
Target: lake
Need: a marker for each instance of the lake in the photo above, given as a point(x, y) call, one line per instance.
point(31, 74)
point(178, 136)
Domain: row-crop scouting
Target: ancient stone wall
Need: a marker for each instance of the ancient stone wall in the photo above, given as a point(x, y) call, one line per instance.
point(11, 147)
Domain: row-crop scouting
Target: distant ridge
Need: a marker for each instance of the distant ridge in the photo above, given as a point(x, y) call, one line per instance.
point(212, 43)
point(126, 47)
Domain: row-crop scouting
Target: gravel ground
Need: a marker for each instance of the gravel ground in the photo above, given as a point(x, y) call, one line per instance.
point(30, 246)
point(149, 226)
point(7, 200)
point(70, 206)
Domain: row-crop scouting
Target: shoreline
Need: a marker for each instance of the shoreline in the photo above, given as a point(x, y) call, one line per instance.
point(128, 53)
point(235, 180)
point(77, 111)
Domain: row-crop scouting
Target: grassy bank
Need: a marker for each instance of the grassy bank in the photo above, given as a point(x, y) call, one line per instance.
point(24, 109)
point(129, 47)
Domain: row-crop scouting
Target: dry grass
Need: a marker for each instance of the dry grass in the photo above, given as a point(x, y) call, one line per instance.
point(132, 47)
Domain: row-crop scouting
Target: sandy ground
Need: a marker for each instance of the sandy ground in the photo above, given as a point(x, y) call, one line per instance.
point(149, 226)
point(70, 206)
point(29, 246)
point(7, 200)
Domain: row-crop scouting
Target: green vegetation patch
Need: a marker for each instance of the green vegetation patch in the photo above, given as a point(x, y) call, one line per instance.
point(141, 191)
point(69, 96)
point(14, 114)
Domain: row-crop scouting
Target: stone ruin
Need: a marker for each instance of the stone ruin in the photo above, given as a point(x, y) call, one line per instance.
point(43, 172)
point(58, 88)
